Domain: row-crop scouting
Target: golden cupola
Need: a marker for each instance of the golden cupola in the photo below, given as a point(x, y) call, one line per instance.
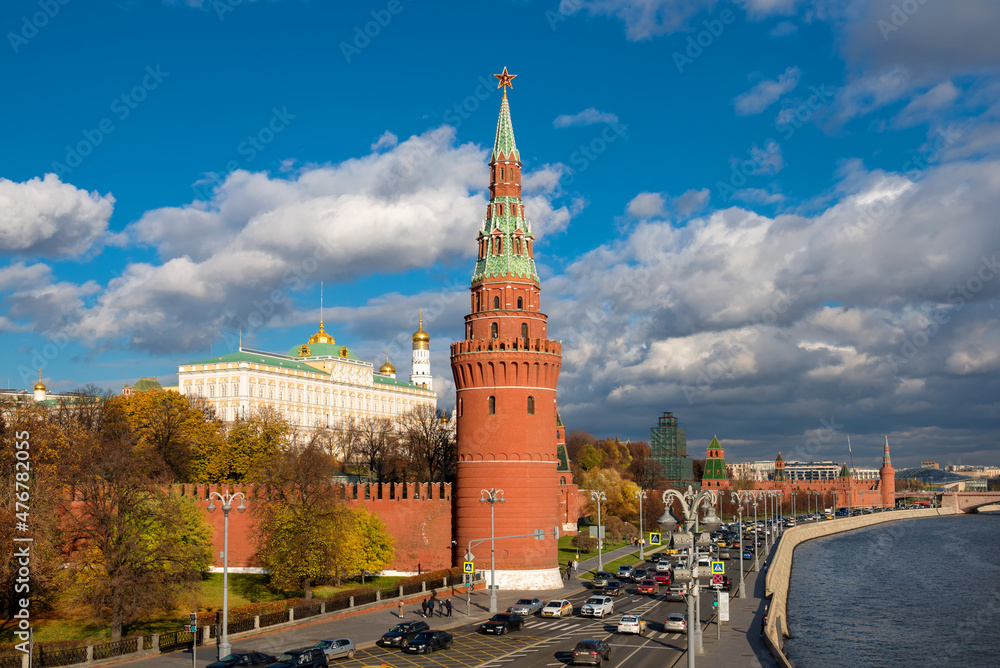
point(387, 368)
point(421, 339)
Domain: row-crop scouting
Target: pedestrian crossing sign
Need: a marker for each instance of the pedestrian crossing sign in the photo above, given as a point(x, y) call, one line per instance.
point(469, 567)
point(654, 539)
point(718, 568)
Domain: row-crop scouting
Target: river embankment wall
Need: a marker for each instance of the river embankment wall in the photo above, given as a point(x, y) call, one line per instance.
point(779, 572)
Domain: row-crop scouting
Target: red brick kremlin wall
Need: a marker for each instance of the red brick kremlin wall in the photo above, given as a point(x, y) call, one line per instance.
point(418, 515)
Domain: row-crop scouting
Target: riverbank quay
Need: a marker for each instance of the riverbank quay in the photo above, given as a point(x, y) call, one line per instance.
point(780, 569)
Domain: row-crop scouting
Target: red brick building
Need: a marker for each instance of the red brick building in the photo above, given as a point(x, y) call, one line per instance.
point(506, 372)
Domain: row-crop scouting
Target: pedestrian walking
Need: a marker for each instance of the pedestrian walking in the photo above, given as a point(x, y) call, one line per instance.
point(440, 608)
point(423, 608)
point(576, 565)
point(400, 608)
point(447, 604)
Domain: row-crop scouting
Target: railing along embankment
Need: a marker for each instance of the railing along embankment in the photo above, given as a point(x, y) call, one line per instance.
point(780, 571)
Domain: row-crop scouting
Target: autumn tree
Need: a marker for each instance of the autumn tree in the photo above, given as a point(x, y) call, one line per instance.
point(368, 545)
point(376, 447)
point(643, 470)
point(135, 545)
point(302, 524)
point(246, 441)
point(621, 501)
point(575, 440)
point(589, 458)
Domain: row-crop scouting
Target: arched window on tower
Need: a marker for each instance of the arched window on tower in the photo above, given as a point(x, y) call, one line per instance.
point(520, 303)
point(524, 330)
point(491, 404)
point(496, 303)
point(531, 405)
point(562, 480)
point(494, 330)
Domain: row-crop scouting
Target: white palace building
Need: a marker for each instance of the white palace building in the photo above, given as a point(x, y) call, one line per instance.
point(316, 384)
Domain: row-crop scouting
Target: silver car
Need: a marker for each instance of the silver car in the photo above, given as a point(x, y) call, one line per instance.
point(526, 606)
point(338, 648)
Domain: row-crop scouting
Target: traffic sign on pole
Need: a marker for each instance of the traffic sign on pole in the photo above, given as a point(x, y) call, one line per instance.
point(717, 579)
point(718, 568)
point(469, 567)
point(654, 539)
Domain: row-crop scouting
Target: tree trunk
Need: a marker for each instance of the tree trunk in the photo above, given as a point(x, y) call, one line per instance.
point(307, 592)
point(116, 626)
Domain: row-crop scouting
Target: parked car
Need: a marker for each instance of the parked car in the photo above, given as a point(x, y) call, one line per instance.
point(502, 623)
point(337, 648)
point(676, 593)
point(727, 584)
point(614, 588)
point(600, 579)
point(591, 651)
point(598, 606)
point(676, 623)
point(558, 608)
point(402, 633)
point(632, 624)
point(426, 642)
point(307, 657)
point(648, 586)
point(244, 660)
point(526, 606)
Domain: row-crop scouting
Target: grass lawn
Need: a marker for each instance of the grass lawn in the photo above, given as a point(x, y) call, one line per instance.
point(71, 623)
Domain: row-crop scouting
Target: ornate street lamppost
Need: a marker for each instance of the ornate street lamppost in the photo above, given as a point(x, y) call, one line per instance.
point(227, 505)
point(641, 494)
point(599, 497)
point(492, 497)
point(740, 498)
point(691, 503)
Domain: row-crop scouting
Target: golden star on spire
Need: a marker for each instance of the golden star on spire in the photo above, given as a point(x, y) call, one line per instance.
point(505, 80)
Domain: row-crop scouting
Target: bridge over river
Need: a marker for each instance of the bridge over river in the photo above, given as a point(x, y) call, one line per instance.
point(965, 502)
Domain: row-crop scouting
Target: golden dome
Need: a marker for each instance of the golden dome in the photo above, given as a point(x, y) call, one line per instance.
point(39, 385)
point(420, 337)
point(321, 336)
point(387, 367)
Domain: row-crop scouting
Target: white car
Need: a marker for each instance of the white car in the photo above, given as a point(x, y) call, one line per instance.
point(558, 608)
point(598, 606)
point(662, 566)
point(632, 624)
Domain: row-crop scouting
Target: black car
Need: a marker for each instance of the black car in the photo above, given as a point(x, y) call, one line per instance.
point(502, 623)
point(655, 557)
point(429, 641)
point(248, 659)
point(613, 588)
point(640, 574)
point(307, 657)
point(591, 651)
point(402, 633)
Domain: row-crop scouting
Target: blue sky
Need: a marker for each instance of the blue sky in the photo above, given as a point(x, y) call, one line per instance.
point(776, 218)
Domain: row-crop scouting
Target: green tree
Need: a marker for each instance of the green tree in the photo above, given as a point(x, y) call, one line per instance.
point(371, 546)
point(589, 457)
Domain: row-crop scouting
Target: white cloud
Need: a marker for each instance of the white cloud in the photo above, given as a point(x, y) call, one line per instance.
point(692, 201)
point(767, 92)
point(47, 217)
point(262, 234)
point(646, 205)
point(928, 106)
point(589, 116)
point(784, 29)
point(387, 140)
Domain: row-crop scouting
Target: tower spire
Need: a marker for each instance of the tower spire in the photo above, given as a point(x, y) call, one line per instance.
point(886, 463)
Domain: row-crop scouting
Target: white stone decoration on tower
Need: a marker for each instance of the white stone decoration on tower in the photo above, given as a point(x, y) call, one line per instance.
point(421, 370)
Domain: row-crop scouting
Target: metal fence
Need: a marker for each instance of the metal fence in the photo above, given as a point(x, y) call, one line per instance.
point(241, 624)
point(307, 610)
point(60, 657)
point(271, 618)
point(174, 640)
point(116, 648)
point(364, 597)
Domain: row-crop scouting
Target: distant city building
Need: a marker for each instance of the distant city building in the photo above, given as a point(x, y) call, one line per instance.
point(763, 470)
point(740, 470)
point(865, 473)
point(811, 471)
point(668, 446)
point(143, 384)
point(41, 395)
point(317, 384)
point(930, 465)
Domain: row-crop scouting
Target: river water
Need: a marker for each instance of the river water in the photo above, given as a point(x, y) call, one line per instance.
point(920, 592)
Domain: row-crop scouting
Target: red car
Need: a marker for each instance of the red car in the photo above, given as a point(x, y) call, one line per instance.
point(648, 586)
point(662, 578)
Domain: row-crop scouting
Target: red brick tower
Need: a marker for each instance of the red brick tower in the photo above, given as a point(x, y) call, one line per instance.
point(888, 479)
point(506, 372)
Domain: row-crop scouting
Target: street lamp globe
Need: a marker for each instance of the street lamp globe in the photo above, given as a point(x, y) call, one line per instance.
point(667, 521)
point(711, 523)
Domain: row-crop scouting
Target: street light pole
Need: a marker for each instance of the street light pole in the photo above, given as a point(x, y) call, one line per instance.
point(691, 503)
point(599, 496)
point(227, 505)
point(493, 497)
point(641, 494)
